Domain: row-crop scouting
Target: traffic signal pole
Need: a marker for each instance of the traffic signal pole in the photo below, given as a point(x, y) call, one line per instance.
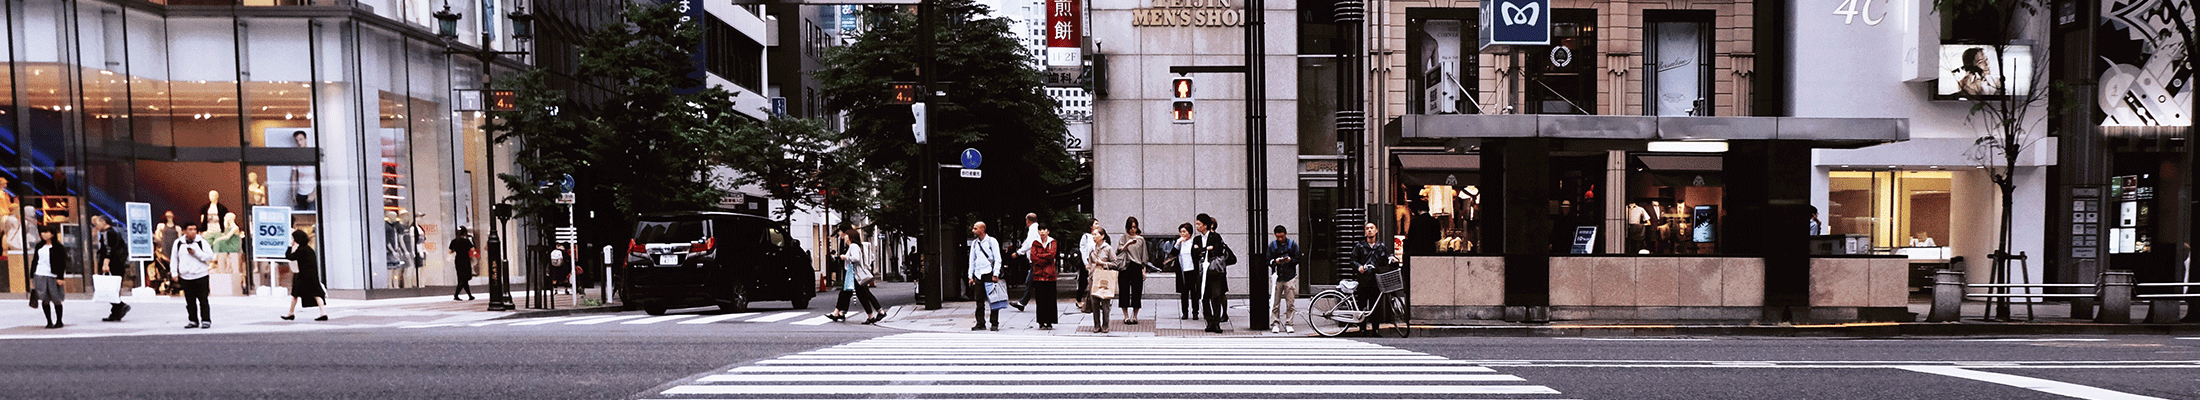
point(935, 237)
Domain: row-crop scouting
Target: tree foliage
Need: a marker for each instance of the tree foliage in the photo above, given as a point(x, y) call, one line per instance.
point(994, 103)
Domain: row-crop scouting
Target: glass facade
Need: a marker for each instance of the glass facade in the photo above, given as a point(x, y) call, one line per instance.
point(344, 121)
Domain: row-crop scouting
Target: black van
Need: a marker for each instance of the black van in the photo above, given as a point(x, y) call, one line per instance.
point(708, 258)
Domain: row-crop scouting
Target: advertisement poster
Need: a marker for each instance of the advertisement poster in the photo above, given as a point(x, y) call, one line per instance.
point(290, 185)
point(138, 219)
point(1705, 219)
point(1441, 54)
point(1971, 71)
point(2144, 79)
point(270, 231)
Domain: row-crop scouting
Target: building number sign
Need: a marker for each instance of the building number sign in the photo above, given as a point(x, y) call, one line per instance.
point(1850, 9)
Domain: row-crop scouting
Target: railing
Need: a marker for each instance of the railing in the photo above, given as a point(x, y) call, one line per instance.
point(2115, 292)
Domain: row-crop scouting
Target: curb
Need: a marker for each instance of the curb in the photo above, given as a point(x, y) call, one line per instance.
point(562, 312)
point(1839, 330)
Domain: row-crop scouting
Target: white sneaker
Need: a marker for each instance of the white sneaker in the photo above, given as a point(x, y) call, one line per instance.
point(1289, 329)
point(1273, 329)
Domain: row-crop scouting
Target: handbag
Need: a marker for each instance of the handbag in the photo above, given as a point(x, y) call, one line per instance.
point(1104, 282)
point(996, 297)
point(861, 274)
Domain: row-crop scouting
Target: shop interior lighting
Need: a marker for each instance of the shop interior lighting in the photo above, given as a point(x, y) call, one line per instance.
point(1688, 147)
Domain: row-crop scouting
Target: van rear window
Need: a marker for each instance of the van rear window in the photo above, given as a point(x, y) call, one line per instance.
point(677, 231)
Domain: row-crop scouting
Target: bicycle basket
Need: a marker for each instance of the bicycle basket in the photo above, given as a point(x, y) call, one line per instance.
point(1348, 286)
point(1391, 282)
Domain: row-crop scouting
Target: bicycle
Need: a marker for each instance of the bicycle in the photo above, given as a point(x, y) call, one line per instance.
point(1334, 311)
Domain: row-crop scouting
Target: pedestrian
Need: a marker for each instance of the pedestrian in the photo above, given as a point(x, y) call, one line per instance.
point(1283, 271)
point(985, 266)
point(305, 277)
point(1102, 262)
point(1370, 257)
point(857, 281)
point(1214, 257)
point(48, 263)
point(1187, 274)
point(462, 262)
point(108, 253)
point(1130, 289)
point(191, 258)
point(1046, 264)
point(1023, 252)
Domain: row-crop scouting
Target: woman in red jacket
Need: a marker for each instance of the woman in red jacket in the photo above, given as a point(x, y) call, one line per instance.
point(1045, 265)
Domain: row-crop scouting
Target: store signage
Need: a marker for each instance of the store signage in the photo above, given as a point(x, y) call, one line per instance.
point(138, 219)
point(1516, 23)
point(1584, 237)
point(1064, 34)
point(847, 17)
point(1201, 13)
point(270, 231)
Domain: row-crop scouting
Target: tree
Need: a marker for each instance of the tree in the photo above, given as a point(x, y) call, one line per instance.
point(2006, 115)
point(995, 103)
point(802, 164)
point(651, 147)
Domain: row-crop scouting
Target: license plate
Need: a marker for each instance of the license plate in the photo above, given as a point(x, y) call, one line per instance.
point(668, 260)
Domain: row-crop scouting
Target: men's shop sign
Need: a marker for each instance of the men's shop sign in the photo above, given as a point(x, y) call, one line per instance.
point(1189, 13)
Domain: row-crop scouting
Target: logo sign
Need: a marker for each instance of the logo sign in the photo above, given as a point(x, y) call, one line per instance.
point(270, 231)
point(138, 221)
point(1064, 36)
point(1516, 23)
point(971, 159)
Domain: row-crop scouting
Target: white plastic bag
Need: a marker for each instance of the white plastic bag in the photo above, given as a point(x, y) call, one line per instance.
point(107, 288)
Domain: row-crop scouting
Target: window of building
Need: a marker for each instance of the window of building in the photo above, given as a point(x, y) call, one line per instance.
point(1443, 44)
point(1562, 78)
point(1896, 209)
point(1677, 57)
point(733, 56)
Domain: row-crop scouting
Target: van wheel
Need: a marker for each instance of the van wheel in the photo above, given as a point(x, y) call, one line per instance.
point(737, 302)
point(653, 310)
point(802, 303)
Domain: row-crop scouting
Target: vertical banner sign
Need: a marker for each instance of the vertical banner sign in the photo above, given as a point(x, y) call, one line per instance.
point(270, 231)
point(847, 18)
point(1516, 23)
point(138, 219)
point(1064, 33)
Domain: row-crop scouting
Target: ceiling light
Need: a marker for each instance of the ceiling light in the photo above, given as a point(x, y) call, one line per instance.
point(1688, 146)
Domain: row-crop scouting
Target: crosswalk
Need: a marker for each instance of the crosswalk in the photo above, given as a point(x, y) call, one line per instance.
point(950, 365)
point(786, 317)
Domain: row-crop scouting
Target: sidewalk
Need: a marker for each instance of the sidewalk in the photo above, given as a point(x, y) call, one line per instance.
point(164, 315)
point(1160, 318)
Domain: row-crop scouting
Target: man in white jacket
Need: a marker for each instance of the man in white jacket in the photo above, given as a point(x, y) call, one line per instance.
point(190, 256)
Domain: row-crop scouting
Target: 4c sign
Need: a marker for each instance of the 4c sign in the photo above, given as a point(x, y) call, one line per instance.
point(1516, 23)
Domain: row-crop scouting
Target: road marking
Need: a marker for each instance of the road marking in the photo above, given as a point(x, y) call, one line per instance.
point(1010, 377)
point(1109, 357)
point(2189, 338)
point(551, 320)
point(426, 326)
point(2031, 340)
point(1640, 339)
point(778, 317)
point(1120, 351)
point(652, 320)
point(716, 318)
point(1062, 361)
point(1109, 389)
point(2043, 385)
point(818, 320)
point(1110, 368)
point(494, 322)
point(600, 320)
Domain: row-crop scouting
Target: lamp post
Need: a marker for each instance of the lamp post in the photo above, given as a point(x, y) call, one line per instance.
point(500, 297)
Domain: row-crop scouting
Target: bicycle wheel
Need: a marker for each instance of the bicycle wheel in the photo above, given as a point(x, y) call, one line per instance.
point(1398, 317)
point(1321, 313)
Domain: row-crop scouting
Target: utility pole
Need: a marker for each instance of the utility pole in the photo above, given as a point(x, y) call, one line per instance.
point(1256, 160)
point(934, 237)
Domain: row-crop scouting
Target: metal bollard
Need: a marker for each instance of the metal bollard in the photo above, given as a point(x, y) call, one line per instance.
point(1947, 296)
point(2162, 311)
point(2115, 297)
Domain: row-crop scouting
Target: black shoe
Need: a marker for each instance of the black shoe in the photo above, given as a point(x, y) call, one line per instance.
point(455, 298)
point(469, 297)
point(836, 318)
point(996, 328)
point(193, 325)
point(322, 318)
point(1019, 306)
point(978, 328)
point(289, 317)
point(874, 319)
point(1131, 322)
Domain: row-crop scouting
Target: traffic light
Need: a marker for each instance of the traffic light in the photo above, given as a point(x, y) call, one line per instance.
point(918, 128)
point(1180, 102)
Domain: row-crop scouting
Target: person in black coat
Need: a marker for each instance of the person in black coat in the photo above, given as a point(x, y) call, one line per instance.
point(305, 281)
point(108, 253)
point(1209, 249)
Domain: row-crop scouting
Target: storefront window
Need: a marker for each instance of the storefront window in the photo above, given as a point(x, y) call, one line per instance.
point(1447, 69)
point(1440, 204)
point(1674, 204)
point(1896, 209)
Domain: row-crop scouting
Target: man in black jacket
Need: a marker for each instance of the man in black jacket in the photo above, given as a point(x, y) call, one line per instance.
point(1371, 257)
point(1214, 255)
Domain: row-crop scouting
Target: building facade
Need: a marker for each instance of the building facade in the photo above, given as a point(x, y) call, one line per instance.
point(348, 120)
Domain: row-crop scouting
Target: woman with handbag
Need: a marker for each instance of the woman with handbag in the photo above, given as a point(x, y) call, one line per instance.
point(1187, 275)
point(1105, 267)
point(305, 279)
point(856, 282)
point(1131, 283)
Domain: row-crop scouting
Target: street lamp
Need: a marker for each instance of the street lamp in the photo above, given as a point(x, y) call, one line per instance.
point(500, 298)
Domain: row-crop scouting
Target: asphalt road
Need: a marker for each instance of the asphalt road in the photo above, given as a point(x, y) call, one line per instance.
point(631, 355)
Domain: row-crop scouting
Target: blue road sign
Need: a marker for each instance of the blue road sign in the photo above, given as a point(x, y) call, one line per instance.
point(971, 158)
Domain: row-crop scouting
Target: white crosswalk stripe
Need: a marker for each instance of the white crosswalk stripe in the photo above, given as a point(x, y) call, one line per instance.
point(787, 317)
point(947, 365)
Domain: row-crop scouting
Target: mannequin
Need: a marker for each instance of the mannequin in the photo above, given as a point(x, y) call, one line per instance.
point(255, 192)
point(393, 230)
